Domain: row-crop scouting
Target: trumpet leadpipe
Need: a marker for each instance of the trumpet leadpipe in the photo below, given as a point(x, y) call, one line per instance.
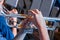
point(29, 16)
point(52, 19)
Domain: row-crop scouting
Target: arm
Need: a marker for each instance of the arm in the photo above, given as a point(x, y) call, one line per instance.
point(40, 23)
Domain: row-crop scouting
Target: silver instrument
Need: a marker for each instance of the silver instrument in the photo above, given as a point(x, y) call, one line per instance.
point(24, 16)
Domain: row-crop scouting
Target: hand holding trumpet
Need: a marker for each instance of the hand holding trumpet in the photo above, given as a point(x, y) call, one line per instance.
point(39, 21)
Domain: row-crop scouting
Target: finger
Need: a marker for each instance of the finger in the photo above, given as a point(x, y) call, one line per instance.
point(32, 11)
point(39, 12)
point(35, 10)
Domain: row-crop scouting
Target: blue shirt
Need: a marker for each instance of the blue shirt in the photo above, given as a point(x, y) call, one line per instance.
point(5, 30)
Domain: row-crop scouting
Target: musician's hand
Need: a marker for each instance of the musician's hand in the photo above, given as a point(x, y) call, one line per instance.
point(40, 23)
point(38, 18)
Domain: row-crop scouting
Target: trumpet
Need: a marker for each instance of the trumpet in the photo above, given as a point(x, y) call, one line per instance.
point(27, 16)
point(24, 16)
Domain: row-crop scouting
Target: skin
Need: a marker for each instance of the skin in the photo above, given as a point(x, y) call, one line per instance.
point(39, 21)
point(1, 2)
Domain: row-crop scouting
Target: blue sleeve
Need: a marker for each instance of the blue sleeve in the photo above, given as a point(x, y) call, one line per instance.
point(5, 30)
point(2, 38)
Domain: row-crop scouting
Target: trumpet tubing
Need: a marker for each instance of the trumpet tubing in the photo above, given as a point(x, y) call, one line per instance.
point(45, 18)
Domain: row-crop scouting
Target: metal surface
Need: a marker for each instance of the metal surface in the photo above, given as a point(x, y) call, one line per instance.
point(23, 16)
point(21, 35)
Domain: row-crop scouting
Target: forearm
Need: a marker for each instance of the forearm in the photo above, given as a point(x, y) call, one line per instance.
point(43, 30)
point(43, 33)
point(39, 21)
